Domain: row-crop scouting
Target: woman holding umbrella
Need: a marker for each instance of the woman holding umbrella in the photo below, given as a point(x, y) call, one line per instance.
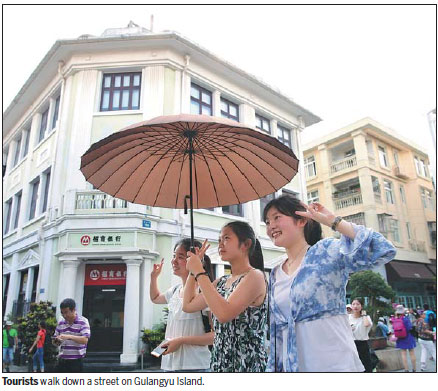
point(237, 301)
point(309, 325)
point(186, 336)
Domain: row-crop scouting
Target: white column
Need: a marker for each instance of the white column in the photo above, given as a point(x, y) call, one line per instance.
point(29, 284)
point(43, 282)
point(146, 305)
point(131, 328)
point(216, 97)
point(70, 272)
point(14, 282)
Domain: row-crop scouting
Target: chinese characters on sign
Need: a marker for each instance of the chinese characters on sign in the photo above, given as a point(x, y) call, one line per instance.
point(101, 239)
point(109, 274)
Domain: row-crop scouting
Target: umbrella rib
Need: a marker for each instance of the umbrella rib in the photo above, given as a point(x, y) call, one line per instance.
point(167, 170)
point(251, 164)
point(179, 179)
point(132, 173)
point(160, 139)
point(180, 142)
point(229, 181)
point(209, 170)
point(231, 135)
point(255, 153)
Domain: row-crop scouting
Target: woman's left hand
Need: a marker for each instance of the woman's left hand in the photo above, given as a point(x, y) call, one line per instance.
point(172, 346)
point(194, 264)
point(317, 212)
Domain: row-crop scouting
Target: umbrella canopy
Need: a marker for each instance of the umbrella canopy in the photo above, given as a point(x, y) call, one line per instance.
point(149, 162)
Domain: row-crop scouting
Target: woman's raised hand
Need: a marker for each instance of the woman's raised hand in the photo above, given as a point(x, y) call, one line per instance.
point(156, 268)
point(317, 212)
point(194, 264)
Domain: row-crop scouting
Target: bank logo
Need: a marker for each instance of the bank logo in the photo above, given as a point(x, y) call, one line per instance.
point(85, 240)
point(94, 275)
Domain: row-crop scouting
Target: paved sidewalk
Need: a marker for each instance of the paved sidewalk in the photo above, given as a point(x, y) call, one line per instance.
point(430, 365)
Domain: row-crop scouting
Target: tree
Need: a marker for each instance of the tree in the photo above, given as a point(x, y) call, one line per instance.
point(372, 285)
point(28, 328)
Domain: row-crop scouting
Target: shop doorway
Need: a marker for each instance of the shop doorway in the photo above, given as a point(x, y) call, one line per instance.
point(104, 308)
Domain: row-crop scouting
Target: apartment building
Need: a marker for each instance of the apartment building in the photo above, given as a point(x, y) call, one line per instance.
point(61, 237)
point(369, 175)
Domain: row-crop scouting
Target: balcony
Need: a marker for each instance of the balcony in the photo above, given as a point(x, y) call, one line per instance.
point(96, 200)
point(346, 201)
point(343, 164)
point(358, 218)
point(399, 173)
point(416, 245)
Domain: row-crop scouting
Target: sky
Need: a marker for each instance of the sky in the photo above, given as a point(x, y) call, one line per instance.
point(341, 62)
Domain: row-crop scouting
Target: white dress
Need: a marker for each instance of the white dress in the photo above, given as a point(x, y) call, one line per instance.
point(180, 323)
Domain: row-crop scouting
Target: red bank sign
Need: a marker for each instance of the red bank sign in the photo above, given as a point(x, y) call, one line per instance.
point(112, 274)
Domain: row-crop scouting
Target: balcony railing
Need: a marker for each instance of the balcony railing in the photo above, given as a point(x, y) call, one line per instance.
point(98, 200)
point(358, 218)
point(348, 201)
point(343, 164)
point(417, 245)
point(399, 173)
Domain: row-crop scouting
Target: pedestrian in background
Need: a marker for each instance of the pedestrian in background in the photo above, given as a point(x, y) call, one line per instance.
point(382, 329)
point(425, 339)
point(405, 340)
point(349, 309)
point(71, 334)
point(39, 342)
point(309, 326)
point(10, 341)
point(361, 325)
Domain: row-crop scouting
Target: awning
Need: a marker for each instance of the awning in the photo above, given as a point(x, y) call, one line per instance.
point(412, 271)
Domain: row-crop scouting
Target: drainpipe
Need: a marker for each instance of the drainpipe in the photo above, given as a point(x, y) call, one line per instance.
point(183, 79)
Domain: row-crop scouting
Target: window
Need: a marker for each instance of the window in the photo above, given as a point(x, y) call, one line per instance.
point(431, 225)
point(46, 192)
point(235, 210)
point(421, 167)
point(43, 125)
point(8, 213)
point(200, 100)
point(395, 230)
point(310, 166)
point(408, 230)
point(424, 170)
point(387, 185)
point(263, 202)
point(382, 157)
point(313, 196)
point(17, 151)
point(290, 193)
point(55, 112)
point(263, 123)
point(17, 209)
point(402, 194)
point(376, 185)
point(284, 136)
point(396, 158)
point(426, 198)
point(26, 136)
point(121, 91)
point(34, 198)
point(229, 110)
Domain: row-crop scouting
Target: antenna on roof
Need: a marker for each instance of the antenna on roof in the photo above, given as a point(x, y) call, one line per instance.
point(152, 23)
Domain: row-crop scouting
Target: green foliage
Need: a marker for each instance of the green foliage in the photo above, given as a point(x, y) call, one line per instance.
point(372, 285)
point(153, 337)
point(28, 328)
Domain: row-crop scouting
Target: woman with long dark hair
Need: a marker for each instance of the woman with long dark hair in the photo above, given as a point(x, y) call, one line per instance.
point(187, 334)
point(309, 325)
point(238, 302)
point(361, 325)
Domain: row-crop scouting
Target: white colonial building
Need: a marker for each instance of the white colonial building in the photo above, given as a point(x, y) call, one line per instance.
point(61, 237)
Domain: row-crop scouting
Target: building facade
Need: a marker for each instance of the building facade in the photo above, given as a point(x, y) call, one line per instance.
point(369, 175)
point(61, 237)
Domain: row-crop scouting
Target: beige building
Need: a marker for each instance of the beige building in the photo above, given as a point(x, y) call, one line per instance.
point(369, 175)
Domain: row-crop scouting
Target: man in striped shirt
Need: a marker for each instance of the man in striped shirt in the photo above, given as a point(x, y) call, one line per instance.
point(72, 336)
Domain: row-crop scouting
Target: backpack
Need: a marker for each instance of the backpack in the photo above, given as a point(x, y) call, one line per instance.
point(11, 341)
point(399, 328)
point(431, 320)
